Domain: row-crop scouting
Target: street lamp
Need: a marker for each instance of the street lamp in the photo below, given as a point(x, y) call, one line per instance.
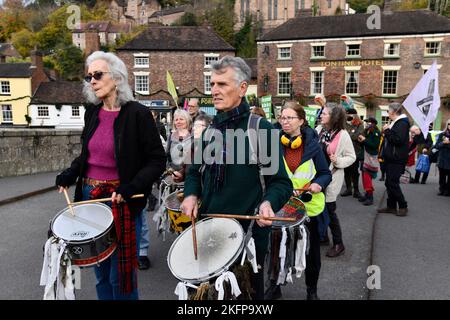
point(417, 65)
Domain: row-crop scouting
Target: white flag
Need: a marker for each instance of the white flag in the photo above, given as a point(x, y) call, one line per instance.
point(424, 101)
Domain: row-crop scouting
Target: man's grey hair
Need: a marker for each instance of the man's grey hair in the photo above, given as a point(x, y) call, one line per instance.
point(242, 70)
point(396, 107)
point(119, 73)
point(191, 100)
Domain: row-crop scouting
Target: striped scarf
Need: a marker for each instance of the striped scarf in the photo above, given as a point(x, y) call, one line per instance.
point(126, 238)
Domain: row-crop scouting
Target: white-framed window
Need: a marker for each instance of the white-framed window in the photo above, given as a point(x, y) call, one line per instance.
point(141, 61)
point(353, 50)
point(75, 111)
point(425, 67)
point(141, 83)
point(317, 80)
point(43, 112)
point(284, 53)
point(7, 115)
point(392, 49)
point(207, 82)
point(384, 115)
point(5, 87)
point(351, 82)
point(390, 82)
point(210, 59)
point(284, 82)
point(433, 48)
point(317, 51)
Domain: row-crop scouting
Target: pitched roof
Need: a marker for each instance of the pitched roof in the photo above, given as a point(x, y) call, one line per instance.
point(253, 64)
point(355, 25)
point(170, 11)
point(15, 70)
point(59, 92)
point(7, 49)
point(100, 26)
point(162, 38)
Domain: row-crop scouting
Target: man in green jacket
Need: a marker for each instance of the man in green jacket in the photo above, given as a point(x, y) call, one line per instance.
point(228, 185)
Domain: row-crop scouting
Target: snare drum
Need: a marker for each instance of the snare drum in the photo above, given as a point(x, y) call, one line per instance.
point(178, 221)
point(89, 234)
point(288, 242)
point(220, 243)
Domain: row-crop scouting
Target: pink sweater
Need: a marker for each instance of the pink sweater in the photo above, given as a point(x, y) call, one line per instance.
point(101, 161)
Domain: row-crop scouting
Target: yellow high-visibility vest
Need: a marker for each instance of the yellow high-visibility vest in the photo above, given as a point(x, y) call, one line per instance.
point(301, 177)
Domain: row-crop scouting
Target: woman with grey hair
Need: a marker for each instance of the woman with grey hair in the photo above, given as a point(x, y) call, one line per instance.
point(121, 156)
point(179, 142)
point(395, 150)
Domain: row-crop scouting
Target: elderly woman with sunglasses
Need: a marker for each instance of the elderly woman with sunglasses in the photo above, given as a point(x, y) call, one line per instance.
point(121, 156)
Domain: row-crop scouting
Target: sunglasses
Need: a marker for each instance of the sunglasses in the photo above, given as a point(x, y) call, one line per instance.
point(97, 76)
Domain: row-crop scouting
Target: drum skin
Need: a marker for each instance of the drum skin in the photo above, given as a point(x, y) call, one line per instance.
point(220, 242)
point(90, 235)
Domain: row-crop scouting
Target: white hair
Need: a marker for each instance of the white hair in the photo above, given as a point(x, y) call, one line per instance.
point(396, 107)
point(242, 70)
point(183, 114)
point(119, 73)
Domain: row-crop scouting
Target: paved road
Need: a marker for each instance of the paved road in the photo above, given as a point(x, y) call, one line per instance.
point(411, 252)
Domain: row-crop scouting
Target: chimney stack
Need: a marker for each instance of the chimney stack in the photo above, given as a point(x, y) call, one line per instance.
point(36, 59)
point(92, 42)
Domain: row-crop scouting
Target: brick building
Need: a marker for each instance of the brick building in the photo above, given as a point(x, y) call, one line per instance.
point(186, 52)
point(272, 13)
point(336, 55)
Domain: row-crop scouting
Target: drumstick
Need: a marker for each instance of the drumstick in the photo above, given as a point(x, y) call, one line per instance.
point(194, 236)
point(237, 216)
point(68, 202)
point(102, 200)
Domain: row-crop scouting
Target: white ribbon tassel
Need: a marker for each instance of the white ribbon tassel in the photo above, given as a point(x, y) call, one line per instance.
point(252, 248)
point(181, 290)
point(300, 253)
point(52, 272)
point(282, 255)
point(231, 278)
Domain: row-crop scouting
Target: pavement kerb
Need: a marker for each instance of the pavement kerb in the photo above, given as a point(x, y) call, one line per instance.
point(27, 195)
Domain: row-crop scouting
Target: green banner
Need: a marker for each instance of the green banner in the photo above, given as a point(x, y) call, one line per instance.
point(266, 104)
point(311, 114)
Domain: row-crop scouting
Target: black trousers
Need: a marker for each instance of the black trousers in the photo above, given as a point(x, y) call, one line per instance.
point(417, 177)
point(444, 181)
point(392, 183)
point(352, 176)
point(334, 225)
point(313, 262)
point(257, 279)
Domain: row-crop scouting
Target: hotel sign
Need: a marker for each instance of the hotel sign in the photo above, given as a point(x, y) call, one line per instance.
point(351, 63)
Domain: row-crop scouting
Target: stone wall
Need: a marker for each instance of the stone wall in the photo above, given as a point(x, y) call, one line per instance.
point(29, 151)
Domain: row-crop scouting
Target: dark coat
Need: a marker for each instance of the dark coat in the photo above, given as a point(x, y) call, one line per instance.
point(395, 142)
point(138, 151)
point(444, 152)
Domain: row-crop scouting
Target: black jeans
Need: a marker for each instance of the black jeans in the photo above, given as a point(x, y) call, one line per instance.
point(352, 176)
point(392, 183)
point(335, 226)
point(424, 177)
point(444, 181)
point(313, 262)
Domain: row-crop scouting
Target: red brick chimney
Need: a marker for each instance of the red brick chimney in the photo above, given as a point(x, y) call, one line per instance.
point(37, 66)
point(92, 42)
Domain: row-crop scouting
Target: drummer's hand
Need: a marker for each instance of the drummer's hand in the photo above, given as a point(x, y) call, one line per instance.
point(315, 188)
point(189, 206)
point(297, 193)
point(265, 210)
point(178, 176)
point(116, 197)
